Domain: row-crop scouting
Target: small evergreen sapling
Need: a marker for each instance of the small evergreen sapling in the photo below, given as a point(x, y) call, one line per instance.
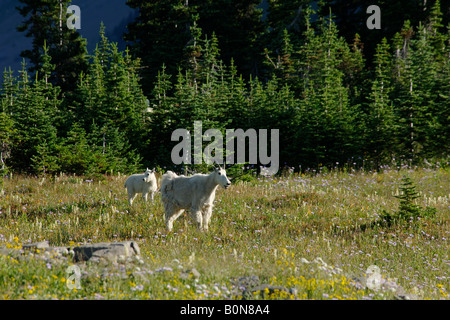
point(408, 211)
point(407, 208)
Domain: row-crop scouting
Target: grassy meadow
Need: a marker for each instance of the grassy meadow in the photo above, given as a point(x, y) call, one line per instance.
point(268, 227)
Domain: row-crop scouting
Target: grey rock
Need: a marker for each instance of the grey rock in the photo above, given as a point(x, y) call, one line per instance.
point(109, 251)
point(57, 251)
point(37, 245)
point(43, 248)
point(406, 296)
point(293, 291)
point(85, 252)
point(108, 255)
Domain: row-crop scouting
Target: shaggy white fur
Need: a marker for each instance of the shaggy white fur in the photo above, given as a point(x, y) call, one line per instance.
point(141, 183)
point(195, 193)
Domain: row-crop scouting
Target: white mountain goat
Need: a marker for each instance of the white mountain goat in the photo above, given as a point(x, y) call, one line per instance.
point(141, 183)
point(195, 193)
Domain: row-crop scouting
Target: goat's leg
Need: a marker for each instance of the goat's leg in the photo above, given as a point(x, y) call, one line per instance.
point(131, 197)
point(206, 212)
point(196, 215)
point(171, 215)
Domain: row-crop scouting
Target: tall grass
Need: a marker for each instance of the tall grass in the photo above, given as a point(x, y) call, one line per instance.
point(264, 227)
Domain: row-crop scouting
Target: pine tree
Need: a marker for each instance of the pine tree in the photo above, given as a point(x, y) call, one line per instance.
point(418, 74)
point(283, 65)
point(34, 113)
point(111, 108)
point(286, 15)
point(380, 114)
point(203, 77)
point(442, 111)
point(8, 91)
point(438, 132)
point(158, 35)
point(8, 132)
point(327, 122)
point(7, 100)
point(162, 105)
point(356, 77)
point(162, 30)
point(238, 27)
point(45, 21)
point(404, 93)
point(407, 207)
point(350, 17)
point(45, 160)
point(237, 111)
point(6, 137)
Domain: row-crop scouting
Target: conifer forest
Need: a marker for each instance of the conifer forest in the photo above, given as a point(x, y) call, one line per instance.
point(340, 93)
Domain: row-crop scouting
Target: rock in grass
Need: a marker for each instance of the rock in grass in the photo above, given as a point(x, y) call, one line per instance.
point(37, 245)
point(109, 251)
point(405, 296)
point(43, 248)
point(56, 251)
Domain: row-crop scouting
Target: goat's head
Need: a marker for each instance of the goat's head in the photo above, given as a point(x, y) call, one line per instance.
point(220, 177)
point(148, 174)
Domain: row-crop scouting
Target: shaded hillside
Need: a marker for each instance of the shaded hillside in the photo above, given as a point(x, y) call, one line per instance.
point(115, 14)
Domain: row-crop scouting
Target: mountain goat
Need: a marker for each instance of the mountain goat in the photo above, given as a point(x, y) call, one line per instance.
point(195, 193)
point(141, 183)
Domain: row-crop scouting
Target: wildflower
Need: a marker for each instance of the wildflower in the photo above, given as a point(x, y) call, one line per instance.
point(139, 287)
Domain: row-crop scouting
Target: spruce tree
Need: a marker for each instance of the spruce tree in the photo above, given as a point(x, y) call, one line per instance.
point(6, 140)
point(327, 122)
point(284, 64)
point(111, 107)
point(417, 93)
point(237, 110)
point(351, 17)
point(285, 16)
point(404, 93)
point(379, 118)
point(158, 35)
point(238, 27)
point(45, 22)
point(34, 114)
point(162, 30)
point(162, 106)
point(7, 99)
point(407, 208)
point(438, 37)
